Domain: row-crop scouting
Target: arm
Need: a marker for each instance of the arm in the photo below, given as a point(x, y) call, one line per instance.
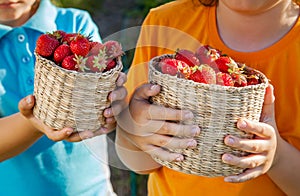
point(143, 132)
point(20, 131)
point(270, 154)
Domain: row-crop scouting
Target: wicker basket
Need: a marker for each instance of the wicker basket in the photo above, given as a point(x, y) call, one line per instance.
point(216, 109)
point(74, 99)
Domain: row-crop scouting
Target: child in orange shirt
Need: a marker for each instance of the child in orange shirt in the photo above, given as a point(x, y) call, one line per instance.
point(262, 34)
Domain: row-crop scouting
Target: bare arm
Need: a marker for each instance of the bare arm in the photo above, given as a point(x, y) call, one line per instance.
point(16, 135)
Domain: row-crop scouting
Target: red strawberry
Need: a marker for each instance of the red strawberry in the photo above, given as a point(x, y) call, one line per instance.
point(197, 77)
point(208, 73)
point(70, 63)
point(80, 45)
point(253, 81)
point(59, 34)
point(113, 49)
point(97, 63)
point(46, 45)
point(187, 56)
point(239, 80)
point(222, 64)
point(184, 69)
point(169, 66)
point(207, 54)
point(110, 64)
point(95, 47)
point(61, 52)
point(224, 79)
point(204, 74)
point(69, 37)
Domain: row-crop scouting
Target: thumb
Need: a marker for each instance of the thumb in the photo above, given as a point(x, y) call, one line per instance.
point(268, 105)
point(26, 105)
point(145, 91)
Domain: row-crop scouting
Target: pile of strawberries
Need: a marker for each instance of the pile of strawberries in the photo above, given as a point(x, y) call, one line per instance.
point(208, 65)
point(74, 51)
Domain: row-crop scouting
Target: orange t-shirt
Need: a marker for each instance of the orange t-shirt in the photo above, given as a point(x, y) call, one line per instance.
point(186, 24)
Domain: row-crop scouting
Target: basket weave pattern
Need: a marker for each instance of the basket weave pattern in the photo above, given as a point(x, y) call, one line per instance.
point(74, 99)
point(216, 109)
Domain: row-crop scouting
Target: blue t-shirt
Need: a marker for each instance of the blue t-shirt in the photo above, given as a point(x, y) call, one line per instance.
point(47, 168)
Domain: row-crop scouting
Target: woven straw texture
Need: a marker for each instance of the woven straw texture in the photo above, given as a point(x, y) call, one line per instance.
point(74, 99)
point(216, 109)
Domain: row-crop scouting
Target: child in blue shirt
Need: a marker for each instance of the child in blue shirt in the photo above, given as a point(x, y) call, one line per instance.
point(47, 167)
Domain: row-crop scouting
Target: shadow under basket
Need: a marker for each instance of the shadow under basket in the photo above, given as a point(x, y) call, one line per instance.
point(66, 98)
point(216, 110)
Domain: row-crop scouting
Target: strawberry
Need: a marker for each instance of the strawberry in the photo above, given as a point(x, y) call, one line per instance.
point(207, 54)
point(184, 69)
point(239, 80)
point(222, 64)
point(80, 45)
point(187, 56)
point(46, 45)
point(69, 63)
point(61, 52)
point(204, 74)
point(69, 37)
point(224, 79)
point(252, 81)
point(113, 49)
point(208, 74)
point(169, 66)
point(95, 47)
point(110, 64)
point(97, 63)
point(59, 34)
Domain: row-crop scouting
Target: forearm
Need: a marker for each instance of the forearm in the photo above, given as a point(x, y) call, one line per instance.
point(286, 169)
point(16, 134)
point(133, 157)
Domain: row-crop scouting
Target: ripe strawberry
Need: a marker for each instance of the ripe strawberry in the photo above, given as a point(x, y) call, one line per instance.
point(110, 64)
point(184, 69)
point(59, 34)
point(169, 66)
point(222, 64)
point(239, 80)
point(95, 47)
point(70, 63)
point(197, 77)
point(207, 54)
point(252, 81)
point(208, 73)
point(224, 79)
point(187, 56)
point(113, 49)
point(80, 45)
point(68, 38)
point(61, 52)
point(204, 74)
point(46, 45)
point(97, 63)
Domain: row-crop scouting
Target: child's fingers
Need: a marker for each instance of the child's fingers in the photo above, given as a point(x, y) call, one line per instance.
point(58, 135)
point(26, 105)
point(121, 79)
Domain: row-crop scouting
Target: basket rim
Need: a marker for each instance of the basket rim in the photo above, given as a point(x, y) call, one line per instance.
point(264, 79)
point(117, 67)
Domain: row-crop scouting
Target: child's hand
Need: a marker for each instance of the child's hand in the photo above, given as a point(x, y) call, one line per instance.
point(152, 128)
point(118, 103)
point(26, 109)
point(262, 147)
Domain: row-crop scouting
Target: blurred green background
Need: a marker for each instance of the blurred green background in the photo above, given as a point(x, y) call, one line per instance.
point(112, 17)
